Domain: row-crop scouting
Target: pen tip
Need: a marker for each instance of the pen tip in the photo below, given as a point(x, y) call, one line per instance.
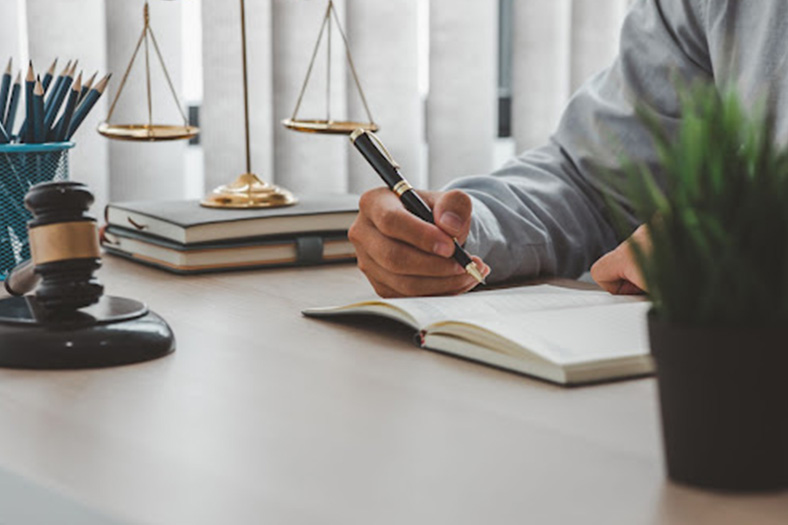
point(473, 270)
point(8, 67)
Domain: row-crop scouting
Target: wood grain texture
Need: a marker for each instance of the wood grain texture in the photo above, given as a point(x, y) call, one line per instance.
point(264, 416)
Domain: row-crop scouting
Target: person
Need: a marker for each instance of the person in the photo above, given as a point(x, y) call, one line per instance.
point(545, 212)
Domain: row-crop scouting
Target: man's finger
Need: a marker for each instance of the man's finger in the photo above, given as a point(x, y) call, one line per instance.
point(391, 218)
point(401, 258)
point(452, 213)
point(617, 272)
point(407, 286)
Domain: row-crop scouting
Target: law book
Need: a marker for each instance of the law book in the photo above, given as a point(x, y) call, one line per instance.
point(562, 335)
point(186, 222)
point(242, 254)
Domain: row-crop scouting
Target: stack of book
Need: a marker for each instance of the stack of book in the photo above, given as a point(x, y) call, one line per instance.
point(184, 237)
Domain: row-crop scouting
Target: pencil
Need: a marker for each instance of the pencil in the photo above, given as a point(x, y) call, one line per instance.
point(86, 87)
point(48, 76)
point(4, 137)
point(39, 135)
point(84, 108)
point(59, 131)
point(52, 111)
point(26, 133)
point(10, 116)
point(56, 88)
point(5, 85)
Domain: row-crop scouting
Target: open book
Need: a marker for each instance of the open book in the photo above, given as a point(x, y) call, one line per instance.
point(563, 335)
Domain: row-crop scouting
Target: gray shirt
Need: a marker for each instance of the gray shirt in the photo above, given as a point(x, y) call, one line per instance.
point(544, 213)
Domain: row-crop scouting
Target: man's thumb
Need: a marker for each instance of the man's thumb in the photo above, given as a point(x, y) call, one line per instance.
point(452, 213)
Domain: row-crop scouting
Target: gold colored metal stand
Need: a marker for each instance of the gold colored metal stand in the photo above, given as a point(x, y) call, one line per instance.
point(329, 125)
point(149, 132)
point(247, 191)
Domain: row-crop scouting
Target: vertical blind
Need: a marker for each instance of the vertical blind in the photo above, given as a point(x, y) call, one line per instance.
point(429, 69)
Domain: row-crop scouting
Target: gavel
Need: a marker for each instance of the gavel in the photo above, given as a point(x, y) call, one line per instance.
point(68, 322)
point(64, 249)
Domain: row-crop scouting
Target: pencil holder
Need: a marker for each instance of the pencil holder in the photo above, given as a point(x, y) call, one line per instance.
point(22, 166)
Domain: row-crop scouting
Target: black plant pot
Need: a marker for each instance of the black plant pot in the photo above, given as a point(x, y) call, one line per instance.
point(723, 393)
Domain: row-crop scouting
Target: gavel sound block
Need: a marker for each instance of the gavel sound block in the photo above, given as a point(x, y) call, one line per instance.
point(68, 322)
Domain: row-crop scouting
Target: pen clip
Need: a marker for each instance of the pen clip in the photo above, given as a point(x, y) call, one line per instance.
point(383, 148)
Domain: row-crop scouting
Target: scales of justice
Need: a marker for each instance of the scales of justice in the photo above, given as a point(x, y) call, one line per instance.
point(247, 190)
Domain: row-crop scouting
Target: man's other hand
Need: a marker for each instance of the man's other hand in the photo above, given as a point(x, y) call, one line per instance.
point(617, 271)
point(402, 255)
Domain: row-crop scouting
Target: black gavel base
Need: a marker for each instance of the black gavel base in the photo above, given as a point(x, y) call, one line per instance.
point(114, 331)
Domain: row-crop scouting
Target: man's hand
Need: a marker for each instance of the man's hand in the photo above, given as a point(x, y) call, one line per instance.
point(402, 255)
point(617, 271)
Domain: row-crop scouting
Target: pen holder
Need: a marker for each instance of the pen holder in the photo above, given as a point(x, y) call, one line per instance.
point(21, 167)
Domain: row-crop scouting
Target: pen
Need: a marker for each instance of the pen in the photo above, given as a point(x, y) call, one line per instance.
point(378, 157)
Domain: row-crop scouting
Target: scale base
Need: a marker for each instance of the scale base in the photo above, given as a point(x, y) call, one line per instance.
point(115, 331)
point(248, 192)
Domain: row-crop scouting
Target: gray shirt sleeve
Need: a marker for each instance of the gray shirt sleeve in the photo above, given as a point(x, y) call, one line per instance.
point(544, 212)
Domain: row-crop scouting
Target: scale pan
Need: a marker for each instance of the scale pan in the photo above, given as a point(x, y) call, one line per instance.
point(147, 133)
point(332, 127)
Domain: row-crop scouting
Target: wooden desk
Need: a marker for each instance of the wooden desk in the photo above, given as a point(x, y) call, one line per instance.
point(263, 416)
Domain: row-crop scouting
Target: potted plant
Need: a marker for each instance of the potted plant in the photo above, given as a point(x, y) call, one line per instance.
point(716, 269)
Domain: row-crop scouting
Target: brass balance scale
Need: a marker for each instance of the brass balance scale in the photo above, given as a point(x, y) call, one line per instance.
point(247, 191)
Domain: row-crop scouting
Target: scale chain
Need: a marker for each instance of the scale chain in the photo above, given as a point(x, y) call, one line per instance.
point(353, 69)
point(312, 61)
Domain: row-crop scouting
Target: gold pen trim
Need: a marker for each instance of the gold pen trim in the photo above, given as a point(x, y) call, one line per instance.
point(401, 187)
point(356, 134)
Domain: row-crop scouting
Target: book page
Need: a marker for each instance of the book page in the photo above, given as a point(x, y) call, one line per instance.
point(566, 336)
point(497, 303)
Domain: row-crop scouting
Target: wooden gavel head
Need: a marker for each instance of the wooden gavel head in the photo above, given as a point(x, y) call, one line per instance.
point(64, 245)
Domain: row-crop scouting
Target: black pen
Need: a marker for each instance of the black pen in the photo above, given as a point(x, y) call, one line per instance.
point(379, 158)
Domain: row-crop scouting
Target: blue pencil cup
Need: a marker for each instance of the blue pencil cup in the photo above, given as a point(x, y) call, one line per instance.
point(22, 166)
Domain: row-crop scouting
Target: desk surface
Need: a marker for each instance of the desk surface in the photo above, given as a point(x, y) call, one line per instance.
point(263, 416)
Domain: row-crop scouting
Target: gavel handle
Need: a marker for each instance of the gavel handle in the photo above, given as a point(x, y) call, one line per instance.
point(22, 279)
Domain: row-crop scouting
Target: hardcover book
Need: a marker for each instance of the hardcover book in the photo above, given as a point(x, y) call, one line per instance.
point(241, 254)
point(186, 222)
point(562, 335)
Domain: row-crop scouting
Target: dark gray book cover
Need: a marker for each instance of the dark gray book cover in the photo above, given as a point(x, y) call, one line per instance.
point(188, 213)
point(187, 222)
